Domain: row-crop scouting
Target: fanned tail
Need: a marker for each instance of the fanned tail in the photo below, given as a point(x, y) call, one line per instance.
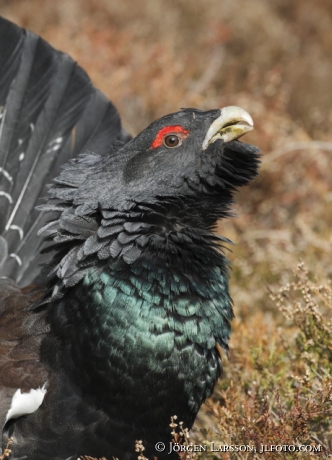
point(49, 113)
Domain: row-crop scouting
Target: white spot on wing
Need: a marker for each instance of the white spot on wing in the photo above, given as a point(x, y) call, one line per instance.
point(6, 174)
point(9, 198)
point(21, 157)
point(55, 144)
point(27, 181)
point(26, 403)
point(3, 117)
point(16, 257)
point(19, 229)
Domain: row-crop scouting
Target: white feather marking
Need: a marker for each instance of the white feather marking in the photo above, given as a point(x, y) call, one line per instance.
point(32, 127)
point(3, 117)
point(55, 144)
point(18, 202)
point(16, 257)
point(9, 198)
point(25, 185)
point(26, 403)
point(20, 141)
point(53, 149)
point(21, 157)
point(58, 140)
point(19, 229)
point(6, 174)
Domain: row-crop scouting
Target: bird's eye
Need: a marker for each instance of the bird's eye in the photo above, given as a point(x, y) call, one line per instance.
point(172, 140)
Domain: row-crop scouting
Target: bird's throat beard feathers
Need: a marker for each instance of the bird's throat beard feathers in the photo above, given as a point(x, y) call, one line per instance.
point(96, 224)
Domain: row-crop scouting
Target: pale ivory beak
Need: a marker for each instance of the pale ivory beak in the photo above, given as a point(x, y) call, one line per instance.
point(233, 123)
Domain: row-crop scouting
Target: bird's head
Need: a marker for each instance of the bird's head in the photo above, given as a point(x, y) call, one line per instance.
point(175, 177)
point(190, 154)
point(184, 153)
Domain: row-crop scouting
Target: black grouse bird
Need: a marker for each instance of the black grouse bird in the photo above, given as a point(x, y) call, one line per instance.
point(123, 326)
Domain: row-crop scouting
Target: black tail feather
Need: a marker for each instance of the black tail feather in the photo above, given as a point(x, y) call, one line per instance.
point(50, 112)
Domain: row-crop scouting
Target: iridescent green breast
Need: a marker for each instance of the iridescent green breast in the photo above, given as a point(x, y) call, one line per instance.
point(143, 339)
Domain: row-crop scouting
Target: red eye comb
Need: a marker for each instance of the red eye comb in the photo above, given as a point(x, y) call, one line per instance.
point(158, 141)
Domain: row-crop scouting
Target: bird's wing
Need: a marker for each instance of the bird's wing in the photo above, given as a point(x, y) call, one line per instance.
point(21, 333)
point(49, 113)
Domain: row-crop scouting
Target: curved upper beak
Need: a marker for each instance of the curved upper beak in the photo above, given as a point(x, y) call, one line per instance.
point(232, 123)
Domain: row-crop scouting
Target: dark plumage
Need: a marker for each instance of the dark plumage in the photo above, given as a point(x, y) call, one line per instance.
point(124, 322)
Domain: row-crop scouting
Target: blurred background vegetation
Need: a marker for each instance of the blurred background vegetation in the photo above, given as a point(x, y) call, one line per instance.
point(274, 59)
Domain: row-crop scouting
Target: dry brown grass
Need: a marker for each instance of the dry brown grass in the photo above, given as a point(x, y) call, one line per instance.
point(277, 387)
point(273, 59)
point(7, 451)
